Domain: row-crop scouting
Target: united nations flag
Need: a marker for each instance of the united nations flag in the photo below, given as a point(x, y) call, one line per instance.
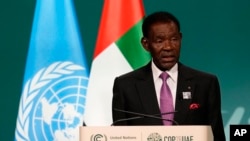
point(56, 76)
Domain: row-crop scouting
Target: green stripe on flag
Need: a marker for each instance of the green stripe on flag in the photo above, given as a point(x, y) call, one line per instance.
point(130, 46)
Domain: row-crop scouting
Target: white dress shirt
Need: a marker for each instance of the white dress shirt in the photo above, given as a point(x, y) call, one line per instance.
point(171, 81)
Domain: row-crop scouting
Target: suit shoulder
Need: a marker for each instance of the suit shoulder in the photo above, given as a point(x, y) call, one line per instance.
point(132, 74)
point(196, 72)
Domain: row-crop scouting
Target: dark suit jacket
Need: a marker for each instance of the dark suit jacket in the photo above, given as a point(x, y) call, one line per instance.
point(135, 92)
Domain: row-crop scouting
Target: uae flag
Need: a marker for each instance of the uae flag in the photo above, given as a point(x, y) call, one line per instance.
point(118, 51)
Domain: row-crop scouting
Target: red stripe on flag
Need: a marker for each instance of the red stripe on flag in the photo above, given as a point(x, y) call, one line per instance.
point(118, 17)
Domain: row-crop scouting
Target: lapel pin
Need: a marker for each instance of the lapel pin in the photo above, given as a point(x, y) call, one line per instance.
point(186, 95)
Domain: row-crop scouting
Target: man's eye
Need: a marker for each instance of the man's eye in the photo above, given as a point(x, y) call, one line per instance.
point(158, 41)
point(174, 38)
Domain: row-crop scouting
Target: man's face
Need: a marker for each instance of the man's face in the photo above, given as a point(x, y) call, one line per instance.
point(163, 43)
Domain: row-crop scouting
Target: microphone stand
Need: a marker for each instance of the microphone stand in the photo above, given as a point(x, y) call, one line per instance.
point(140, 115)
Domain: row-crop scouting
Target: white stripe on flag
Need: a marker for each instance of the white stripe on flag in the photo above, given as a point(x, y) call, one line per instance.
point(105, 67)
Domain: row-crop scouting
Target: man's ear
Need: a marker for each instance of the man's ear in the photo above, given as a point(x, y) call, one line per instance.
point(144, 42)
point(181, 35)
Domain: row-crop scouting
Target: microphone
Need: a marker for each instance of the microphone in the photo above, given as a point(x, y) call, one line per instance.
point(126, 119)
point(140, 115)
point(83, 123)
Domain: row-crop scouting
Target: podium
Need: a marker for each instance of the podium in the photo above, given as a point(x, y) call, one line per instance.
point(146, 133)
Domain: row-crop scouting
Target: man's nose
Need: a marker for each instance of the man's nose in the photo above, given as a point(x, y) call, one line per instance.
point(167, 45)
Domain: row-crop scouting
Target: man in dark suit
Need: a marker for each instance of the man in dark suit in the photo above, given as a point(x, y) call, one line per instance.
point(195, 95)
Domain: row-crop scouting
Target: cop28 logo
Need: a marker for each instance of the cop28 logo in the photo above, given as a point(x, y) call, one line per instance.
point(154, 137)
point(52, 103)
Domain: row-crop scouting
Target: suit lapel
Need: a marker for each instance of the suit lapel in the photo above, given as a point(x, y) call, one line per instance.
point(185, 87)
point(146, 91)
point(147, 94)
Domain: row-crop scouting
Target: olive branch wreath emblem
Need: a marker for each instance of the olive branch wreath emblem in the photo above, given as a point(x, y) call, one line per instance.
point(33, 87)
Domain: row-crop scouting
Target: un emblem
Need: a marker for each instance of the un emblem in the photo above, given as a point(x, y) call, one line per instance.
point(52, 104)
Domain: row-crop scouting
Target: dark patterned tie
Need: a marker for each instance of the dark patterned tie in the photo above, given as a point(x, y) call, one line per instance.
point(166, 100)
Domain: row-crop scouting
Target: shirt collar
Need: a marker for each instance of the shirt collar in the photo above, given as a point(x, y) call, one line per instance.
point(173, 72)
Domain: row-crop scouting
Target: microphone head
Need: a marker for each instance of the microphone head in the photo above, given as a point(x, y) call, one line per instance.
point(84, 124)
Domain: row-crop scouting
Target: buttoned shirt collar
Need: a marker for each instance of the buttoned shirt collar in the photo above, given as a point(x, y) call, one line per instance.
point(173, 72)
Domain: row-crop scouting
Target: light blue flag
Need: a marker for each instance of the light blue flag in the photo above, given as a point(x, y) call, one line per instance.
point(56, 76)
